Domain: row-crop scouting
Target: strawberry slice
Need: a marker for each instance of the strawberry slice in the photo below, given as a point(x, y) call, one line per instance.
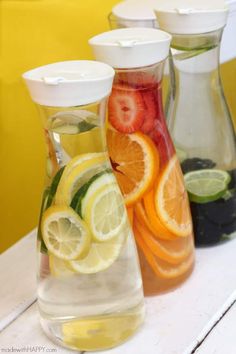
point(150, 111)
point(161, 137)
point(137, 79)
point(126, 109)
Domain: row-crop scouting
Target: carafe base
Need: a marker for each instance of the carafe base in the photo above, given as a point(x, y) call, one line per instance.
point(94, 333)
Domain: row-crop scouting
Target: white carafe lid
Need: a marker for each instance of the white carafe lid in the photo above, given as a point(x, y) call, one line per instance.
point(131, 47)
point(191, 16)
point(69, 83)
point(135, 13)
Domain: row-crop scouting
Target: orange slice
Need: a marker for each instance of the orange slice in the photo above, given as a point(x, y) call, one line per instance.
point(149, 216)
point(161, 268)
point(130, 212)
point(173, 252)
point(171, 200)
point(135, 162)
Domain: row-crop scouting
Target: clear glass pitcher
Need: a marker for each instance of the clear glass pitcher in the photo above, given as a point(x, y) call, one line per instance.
point(143, 156)
point(133, 13)
point(90, 293)
point(199, 120)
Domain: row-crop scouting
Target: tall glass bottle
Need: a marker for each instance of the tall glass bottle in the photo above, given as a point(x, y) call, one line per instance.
point(90, 293)
point(143, 156)
point(198, 117)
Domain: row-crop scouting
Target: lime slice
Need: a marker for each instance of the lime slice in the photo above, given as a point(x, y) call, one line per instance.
point(64, 233)
point(103, 209)
point(222, 175)
point(77, 173)
point(101, 255)
point(73, 122)
point(206, 185)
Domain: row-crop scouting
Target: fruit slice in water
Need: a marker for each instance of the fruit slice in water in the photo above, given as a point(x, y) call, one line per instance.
point(77, 173)
point(64, 233)
point(207, 185)
point(150, 111)
point(125, 109)
point(138, 79)
point(221, 175)
point(59, 267)
point(174, 251)
point(161, 268)
point(104, 211)
point(103, 178)
point(73, 122)
point(153, 221)
point(171, 200)
point(105, 331)
point(135, 161)
point(101, 254)
point(130, 212)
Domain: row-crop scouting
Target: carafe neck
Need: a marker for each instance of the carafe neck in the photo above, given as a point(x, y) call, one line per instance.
point(198, 53)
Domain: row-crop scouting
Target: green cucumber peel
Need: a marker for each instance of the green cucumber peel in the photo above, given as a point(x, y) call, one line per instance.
point(76, 202)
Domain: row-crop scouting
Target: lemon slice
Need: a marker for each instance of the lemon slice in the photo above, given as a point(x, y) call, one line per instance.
point(101, 255)
point(104, 211)
point(65, 234)
point(60, 267)
point(77, 173)
point(99, 180)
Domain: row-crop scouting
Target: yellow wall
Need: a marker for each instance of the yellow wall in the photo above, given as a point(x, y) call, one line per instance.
point(33, 33)
point(228, 74)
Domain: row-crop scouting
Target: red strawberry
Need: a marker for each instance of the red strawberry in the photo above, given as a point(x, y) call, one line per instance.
point(137, 79)
point(162, 139)
point(150, 111)
point(126, 109)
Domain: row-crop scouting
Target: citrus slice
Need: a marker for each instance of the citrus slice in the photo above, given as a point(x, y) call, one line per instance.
point(59, 267)
point(73, 122)
point(104, 211)
point(149, 217)
point(97, 181)
point(221, 175)
point(206, 185)
point(161, 268)
point(64, 233)
point(171, 200)
point(101, 254)
point(130, 212)
point(135, 161)
point(101, 180)
point(77, 173)
point(173, 252)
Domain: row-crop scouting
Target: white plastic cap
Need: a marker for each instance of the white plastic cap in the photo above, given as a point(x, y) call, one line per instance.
point(69, 83)
point(135, 10)
point(131, 47)
point(191, 16)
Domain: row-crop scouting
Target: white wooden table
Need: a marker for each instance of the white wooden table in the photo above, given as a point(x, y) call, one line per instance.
point(198, 317)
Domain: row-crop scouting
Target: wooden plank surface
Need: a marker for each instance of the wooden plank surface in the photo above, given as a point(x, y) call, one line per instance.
point(17, 279)
point(222, 339)
point(174, 320)
point(26, 332)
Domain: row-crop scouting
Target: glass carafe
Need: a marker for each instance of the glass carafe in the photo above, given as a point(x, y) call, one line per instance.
point(143, 156)
point(200, 123)
point(133, 13)
point(90, 293)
